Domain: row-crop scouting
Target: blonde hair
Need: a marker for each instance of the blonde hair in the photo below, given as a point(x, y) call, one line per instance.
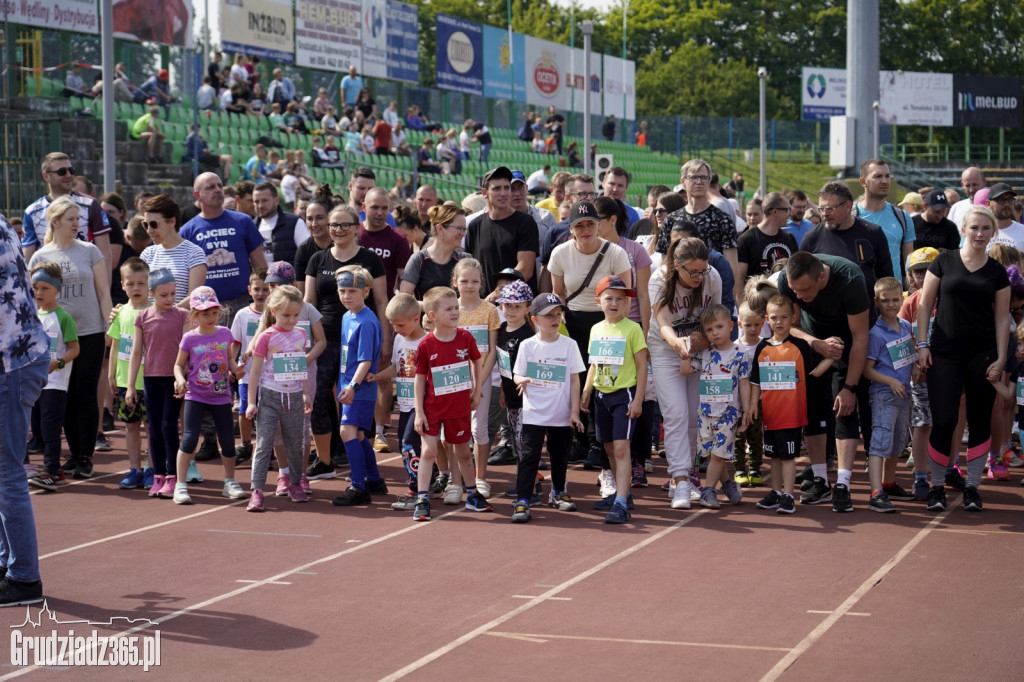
point(281, 297)
point(1004, 254)
point(56, 211)
point(402, 305)
point(756, 294)
point(467, 264)
point(746, 311)
point(443, 214)
point(434, 296)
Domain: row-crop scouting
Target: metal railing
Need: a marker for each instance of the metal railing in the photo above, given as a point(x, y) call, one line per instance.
point(23, 144)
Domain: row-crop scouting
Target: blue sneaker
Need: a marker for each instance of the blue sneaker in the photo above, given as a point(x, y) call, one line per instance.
point(607, 503)
point(133, 480)
point(147, 478)
point(477, 502)
point(618, 514)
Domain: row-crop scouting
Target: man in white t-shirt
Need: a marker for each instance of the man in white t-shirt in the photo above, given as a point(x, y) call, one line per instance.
point(538, 183)
point(1000, 201)
point(972, 180)
point(282, 232)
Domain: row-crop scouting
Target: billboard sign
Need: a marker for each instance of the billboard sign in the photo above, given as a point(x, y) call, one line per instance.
point(500, 62)
point(81, 16)
point(990, 101)
point(403, 55)
point(822, 93)
point(910, 98)
point(258, 27)
point(167, 23)
point(459, 55)
point(327, 34)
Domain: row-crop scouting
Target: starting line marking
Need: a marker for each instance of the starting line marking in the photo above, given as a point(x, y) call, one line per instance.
point(257, 532)
point(543, 638)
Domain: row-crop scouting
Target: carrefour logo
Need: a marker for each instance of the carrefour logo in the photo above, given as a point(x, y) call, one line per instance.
point(816, 85)
point(374, 20)
point(460, 52)
point(967, 101)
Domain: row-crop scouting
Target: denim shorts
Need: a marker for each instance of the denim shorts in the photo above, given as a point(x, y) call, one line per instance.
point(891, 418)
point(921, 415)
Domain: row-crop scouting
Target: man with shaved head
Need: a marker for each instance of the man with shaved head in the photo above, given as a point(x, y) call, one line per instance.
point(972, 180)
point(426, 197)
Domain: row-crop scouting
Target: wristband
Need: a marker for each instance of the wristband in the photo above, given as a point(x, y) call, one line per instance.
point(851, 389)
point(922, 344)
point(60, 363)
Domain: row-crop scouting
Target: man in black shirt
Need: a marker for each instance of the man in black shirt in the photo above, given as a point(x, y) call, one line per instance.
point(932, 227)
point(503, 237)
point(554, 124)
point(609, 128)
point(761, 245)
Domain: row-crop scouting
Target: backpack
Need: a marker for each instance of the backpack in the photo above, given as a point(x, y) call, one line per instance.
point(901, 218)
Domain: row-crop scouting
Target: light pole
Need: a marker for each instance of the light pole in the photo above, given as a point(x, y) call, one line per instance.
point(588, 31)
point(107, 56)
point(625, 6)
point(762, 75)
point(874, 105)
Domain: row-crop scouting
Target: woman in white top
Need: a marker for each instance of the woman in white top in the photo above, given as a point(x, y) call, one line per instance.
point(238, 73)
point(185, 259)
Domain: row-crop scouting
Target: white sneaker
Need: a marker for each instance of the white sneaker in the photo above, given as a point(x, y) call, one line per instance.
point(181, 496)
point(681, 495)
point(606, 481)
point(483, 487)
point(453, 494)
point(233, 491)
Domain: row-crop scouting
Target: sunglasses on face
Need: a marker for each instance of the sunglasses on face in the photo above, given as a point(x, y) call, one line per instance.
point(151, 224)
point(63, 171)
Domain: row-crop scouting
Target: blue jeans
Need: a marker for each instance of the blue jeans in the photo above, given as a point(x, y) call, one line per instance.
point(485, 151)
point(19, 391)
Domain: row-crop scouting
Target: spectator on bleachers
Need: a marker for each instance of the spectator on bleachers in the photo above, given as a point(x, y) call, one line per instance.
point(196, 148)
point(402, 192)
point(256, 166)
point(555, 124)
point(325, 155)
point(538, 183)
point(74, 84)
point(482, 136)
point(382, 137)
point(275, 169)
point(239, 103)
point(157, 89)
point(448, 152)
point(124, 86)
point(414, 120)
point(351, 85)
point(213, 71)
point(610, 128)
point(281, 89)
point(277, 119)
point(147, 128)
point(293, 120)
point(366, 105)
point(353, 140)
point(329, 123)
point(466, 139)
point(572, 153)
point(641, 135)
point(399, 145)
point(425, 162)
point(321, 104)
point(366, 141)
point(238, 74)
point(252, 67)
point(302, 172)
point(258, 101)
point(206, 96)
point(538, 146)
point(526, 131)
point(391, 114)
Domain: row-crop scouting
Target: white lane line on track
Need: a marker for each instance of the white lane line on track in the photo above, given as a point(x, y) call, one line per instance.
point(817, 633)
point(490, 625)
point(538, 638)
point(257, 532)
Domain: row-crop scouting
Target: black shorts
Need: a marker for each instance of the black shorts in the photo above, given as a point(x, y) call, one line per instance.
point(610, 411)
point(782, 444)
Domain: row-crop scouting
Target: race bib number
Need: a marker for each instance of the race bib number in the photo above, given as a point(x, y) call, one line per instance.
point(901, 352)
point(716, 390)
point(546, 374)
point(124, 347)
point(778, 376)
point(250, 328)
point(344, 356)
point(608, 350)
point(309, 333)
point(453, 378)
point(53, 347)
point(481, 334)
point(504, 363)
point(289, 366)
point(1020, 391)
point(406, 392)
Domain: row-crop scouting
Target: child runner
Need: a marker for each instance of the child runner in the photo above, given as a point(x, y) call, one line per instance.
point(361, 339)
point(724, 371)
point(48, 413)
point(778, 378)
point(204, 355)
point(447, 390)
point(749, 441)
point(617, 348)
point(890, 363)
point(515, 301)
point(547, 372)
point(243, 331)
point(158, 331)
point(479, 318)
point(282, 375)
point(134, 280)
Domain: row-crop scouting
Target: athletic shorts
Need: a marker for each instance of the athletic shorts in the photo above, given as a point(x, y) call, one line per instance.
point(610, 411)
point(782, 444)
point(243, 398)
point(130, 415)
point(358, 413)
point(457, 430)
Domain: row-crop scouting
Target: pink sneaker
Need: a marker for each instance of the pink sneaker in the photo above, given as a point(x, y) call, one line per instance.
point(255, 501)
point(997, 471)
point(304, 483)
point(283, 482)
point(167, 489)
point(158, 484)
point(296, 493)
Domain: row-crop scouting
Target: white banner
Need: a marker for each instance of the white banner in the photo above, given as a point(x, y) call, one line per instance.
point(576, 79)
point(375, 39)
point(546, 68)
point(81, 16)
point(909, 98)
point(259, 27)
point(619, 78)
point(327, 34)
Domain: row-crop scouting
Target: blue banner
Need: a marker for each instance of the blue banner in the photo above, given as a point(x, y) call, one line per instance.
point(500, 63)
point(459, 55)
point(403, 43)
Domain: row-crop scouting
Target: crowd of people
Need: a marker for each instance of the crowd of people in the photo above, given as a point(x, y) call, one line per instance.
point(613, 333)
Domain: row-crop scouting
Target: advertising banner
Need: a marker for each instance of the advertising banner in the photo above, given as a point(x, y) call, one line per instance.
point(403, 56)
point(910, 98)
point(81, 16)
point(990, 101)
point(500, 62)
point(459, 55)
point(258, 27)
point(327, 34)
point(168, 22)
point(619, 78)
point(822, 93)
point(546, 67)
point(375, 39)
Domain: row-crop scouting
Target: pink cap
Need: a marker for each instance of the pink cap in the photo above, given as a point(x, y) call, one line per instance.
point(203, 298)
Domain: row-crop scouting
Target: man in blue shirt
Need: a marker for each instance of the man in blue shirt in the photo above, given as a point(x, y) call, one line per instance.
point(797, 225)
point(350, 87)
point(896, 224)
point(282, 89)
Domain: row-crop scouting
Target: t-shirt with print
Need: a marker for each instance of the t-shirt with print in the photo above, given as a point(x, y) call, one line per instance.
point(22, 340)
point(403, 357)
point(942, 235)
point(760, 251)
point(208, 368)
point(683, 310)
point(893, 230)
point(720, 372)
point(322, 267)
point(78, 293)
point(480, 323)
point(161, 337)
point(547, 400)
point(447, 366)
point(508, 350)
point(60, 328)
point(572, 266)
point(894, 352)
point(780, 370)
point(393, 250)
point(361, 339)
point(612, 348)
point(284, 359)
point(243, 329)
point(92, 220)
point(715, 227)
point(227, 241)
point(122, 333)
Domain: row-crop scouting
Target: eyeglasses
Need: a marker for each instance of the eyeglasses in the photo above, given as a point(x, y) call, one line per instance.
point(67, 170)
point(585, 195)
point(694, 273)
point(698, 178)
point(151, 224)
point(1005, 199)
point(661, 210)
point(458, 228)
point(787, 210)
point(341, 226)
point(829, 209)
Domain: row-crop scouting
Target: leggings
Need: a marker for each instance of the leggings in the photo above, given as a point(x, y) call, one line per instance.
point(47, 423)
point(559, 438)
point(277, 413)
point(640, 444)
point(193, 420)
point(948, 378)
point(162, 410)
point(324, 418)
point(81, 419)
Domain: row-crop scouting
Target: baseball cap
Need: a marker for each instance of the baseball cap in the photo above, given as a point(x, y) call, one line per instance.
point(162, 74)
point(516, 292)
point(507, 273)
point(912, 199)
point(920, 259)
point(582, 210)
point(614, 282)
point(499, 173)
point(280, 272)
point(981, 196)
point(999, 189)
point(517, 176)
point(545, 303)
point(160, 276)
point(203, 298)
point(936, 199)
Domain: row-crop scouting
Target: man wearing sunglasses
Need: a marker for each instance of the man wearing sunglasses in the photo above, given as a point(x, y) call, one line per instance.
point(93, 226)
point(762, 245)
point(1000, 200)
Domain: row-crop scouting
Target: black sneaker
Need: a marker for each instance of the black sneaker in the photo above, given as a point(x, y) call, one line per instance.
point(897, 492)
point(771, 500)
point(937, 499)
point(102, 444)
point(841, 501)
point(786, 504)
point(972, 500)
point(607, 503)
point(880, 503)
point(70, 465)
point(318, 470)
point(819, 492)
point(243, 453)
point(955, 480)
point(806, 475)
point(108, 420)
point(352, 497)
point(208, 451)
point(45, 481)
point(83, 470)
point(593, 459)
point(18, 593)
point(34, 447)
point(375, 487)
point(503, 454)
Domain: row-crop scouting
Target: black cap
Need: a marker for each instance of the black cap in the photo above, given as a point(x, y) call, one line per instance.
point(499, 173)
point(545, 303)
point(582, 210)
point(936, 199)
point(999, 189)
point(507, 273)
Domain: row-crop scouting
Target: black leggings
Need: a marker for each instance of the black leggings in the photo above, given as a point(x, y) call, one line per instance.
point(47, 423)
point(559, 438)
point(162, 412)
point(324, 418)
point(81, 419)
point(948, 378)
point(193, 421)
point(579, 324)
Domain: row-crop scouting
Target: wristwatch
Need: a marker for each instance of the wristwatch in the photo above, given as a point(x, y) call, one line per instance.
point(60, 363)
point(851, 389)
point(353, 385)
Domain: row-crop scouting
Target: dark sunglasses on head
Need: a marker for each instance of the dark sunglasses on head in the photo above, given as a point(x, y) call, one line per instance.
point(63, 171)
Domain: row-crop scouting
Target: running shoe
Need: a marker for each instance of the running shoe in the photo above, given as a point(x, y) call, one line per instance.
point(681, 495)
point(255, 501)
point(453, 494)
point(561, 502)
point(405, 503)
point(732, 492)
point(133, 479)
point(378, 487)
point(232, 490)
point(380, 443)
point(147, 478)
point(618, 514)
point(880, 503)
point(742, 478)
point(181, 496)
point(193, 475)
point(296, 493)
point(83, 470)
point(937, 499)
point(606, 483)
point(921, 489)
point(997, 471)
point(754, 478)
point(45, 481)
point(709, 498)
point(786, 504)
point(156, 486)
point(243, 453)
point(167, 489)
point(477, 502)
point(841, 501)
point(639, 479)
point(438, 486)
point(606, 503)
point(304, 483)
point(283, 481)
point(819, 492)
point(955, 479)
point(972, 500)
point(102, 444)
point(770, 501)
point(352, 497)
point(483, 487)
point(422, 510)
point(897, 492)
point(318, 470)
point(521, 512)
